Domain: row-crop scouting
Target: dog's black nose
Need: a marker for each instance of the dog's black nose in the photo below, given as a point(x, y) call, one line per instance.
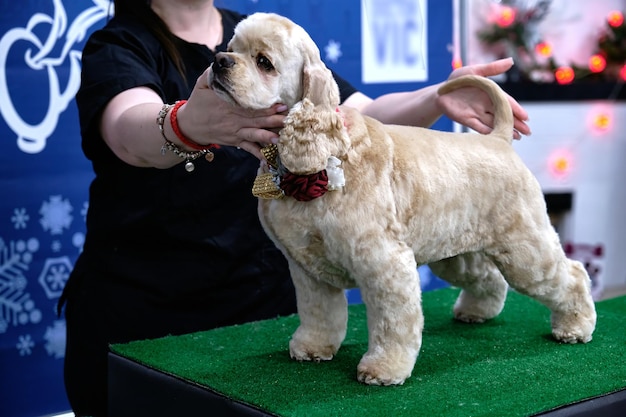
point(222, 62)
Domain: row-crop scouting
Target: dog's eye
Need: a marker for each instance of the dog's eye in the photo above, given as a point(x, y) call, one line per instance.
point(264, 63)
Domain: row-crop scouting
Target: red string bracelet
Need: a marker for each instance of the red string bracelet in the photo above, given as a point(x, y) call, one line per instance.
point(185, 140)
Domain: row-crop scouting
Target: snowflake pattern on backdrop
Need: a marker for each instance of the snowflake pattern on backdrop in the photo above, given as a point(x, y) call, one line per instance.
point(55, 215)
point(20, 218)
point(25, 345)
point(55, 339)
point(17, 306)
point(333, 51)
point(54, 275)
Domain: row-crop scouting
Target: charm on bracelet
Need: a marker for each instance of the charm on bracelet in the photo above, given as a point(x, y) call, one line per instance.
point(188, 156)
point(170, 146)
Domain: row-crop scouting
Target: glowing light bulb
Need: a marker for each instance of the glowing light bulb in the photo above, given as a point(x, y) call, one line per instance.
point(506, 16)
point(597, 63)
point(560, 163)
point(564, 75)
point(602, 121)
point(615, 19)
point(544, 49)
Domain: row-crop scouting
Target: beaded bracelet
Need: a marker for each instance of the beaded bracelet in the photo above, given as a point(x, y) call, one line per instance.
point(184, 139)
point(170, 146)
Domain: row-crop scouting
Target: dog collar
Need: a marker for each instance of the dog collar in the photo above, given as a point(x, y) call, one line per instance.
point(279, 182)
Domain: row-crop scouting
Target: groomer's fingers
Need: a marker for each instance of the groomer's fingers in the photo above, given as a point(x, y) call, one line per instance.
point(260, 117)
point(520, 117)
point(479, 126)
point(518, 110)
point(259, 136)
point(485, 128)
point(272, 121)
point(253, 148)
point(203, 80)
point(492, 68)
point(521, 127)
point(485, 70)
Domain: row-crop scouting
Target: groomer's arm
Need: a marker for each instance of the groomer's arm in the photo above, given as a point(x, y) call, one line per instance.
point(414, 108)
point(468, 106)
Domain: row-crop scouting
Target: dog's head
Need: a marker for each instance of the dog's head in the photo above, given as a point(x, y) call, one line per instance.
point(265, 63)
point(270, 60)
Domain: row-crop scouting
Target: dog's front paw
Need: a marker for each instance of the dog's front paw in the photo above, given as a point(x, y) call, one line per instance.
point(310, 352)
point(374, 370)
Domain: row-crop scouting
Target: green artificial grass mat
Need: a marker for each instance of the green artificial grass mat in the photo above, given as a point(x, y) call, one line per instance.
point(508, 366)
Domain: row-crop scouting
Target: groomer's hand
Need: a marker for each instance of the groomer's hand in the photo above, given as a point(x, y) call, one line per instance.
point(206, 118)
point(472, 107)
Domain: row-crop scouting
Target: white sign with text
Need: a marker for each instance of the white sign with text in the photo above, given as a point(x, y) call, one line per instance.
point(394, 41)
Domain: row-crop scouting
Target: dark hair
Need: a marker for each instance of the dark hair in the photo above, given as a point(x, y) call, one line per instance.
point(141, 11)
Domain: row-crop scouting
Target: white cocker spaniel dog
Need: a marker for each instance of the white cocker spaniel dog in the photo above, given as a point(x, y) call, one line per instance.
point(352, 202)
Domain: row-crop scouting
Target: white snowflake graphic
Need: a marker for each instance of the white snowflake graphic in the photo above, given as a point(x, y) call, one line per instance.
point(55, 215)
point(54, 275)
point(25, 345)
point(16, 306)
point(20, 218)
point(55, 339)
point(333, 51)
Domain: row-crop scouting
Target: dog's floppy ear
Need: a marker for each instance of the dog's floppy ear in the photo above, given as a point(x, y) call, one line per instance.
point(319, 86)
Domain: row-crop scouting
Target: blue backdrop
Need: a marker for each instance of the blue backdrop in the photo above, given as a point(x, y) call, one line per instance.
point(44, 177)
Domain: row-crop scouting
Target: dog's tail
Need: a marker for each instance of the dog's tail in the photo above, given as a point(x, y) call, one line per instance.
point(503, 115)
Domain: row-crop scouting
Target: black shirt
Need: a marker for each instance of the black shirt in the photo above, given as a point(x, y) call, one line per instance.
point(179, 243)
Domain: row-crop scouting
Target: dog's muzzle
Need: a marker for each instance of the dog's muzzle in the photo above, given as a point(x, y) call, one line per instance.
point(218, 78)
point(222, 63)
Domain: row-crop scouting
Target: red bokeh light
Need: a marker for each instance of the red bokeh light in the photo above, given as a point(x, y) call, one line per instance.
point(564, 75)
point(506, 16)
point(560, 163)
point(602, 121)
point(544, 49)
point(597, 63)
point(615, 19)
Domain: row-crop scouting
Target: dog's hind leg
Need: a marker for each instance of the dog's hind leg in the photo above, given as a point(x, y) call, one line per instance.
point(483, 286)
point(389, 284)
point(537, 266)
point(323, 313)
